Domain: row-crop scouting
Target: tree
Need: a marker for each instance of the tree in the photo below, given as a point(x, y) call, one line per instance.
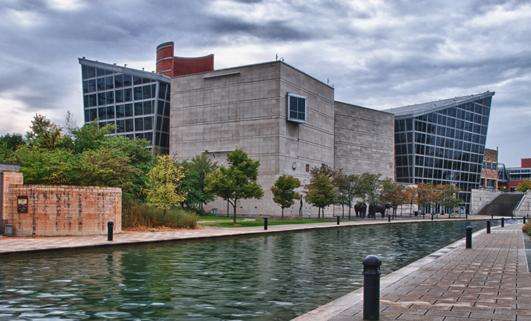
point(369, 188)
point(9, 143)
point(320, 192)
point(524, 186)
point(392, 193)
point(194, 181)
point(45, 134)
point(347, 186)
point(162, 188)
point(44, 166)
point(410, 196)
point(284, 191)
point(236, 182)
point(450, 196)
point(427, 195)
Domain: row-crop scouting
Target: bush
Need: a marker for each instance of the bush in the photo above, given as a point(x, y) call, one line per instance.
point(527, 228)
point(135, 215)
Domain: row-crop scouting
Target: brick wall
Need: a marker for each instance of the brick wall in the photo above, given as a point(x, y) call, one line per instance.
point(7, 179)
point(63, 210)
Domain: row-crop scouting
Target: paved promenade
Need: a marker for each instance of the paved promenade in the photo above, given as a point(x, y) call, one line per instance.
point(489, 282)
point(26, 244)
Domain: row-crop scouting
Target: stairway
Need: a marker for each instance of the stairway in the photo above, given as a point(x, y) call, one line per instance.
point(503, 205)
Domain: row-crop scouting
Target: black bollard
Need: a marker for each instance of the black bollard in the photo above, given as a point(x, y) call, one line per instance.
point(371, 288)
point(503, 222)
point(468, 237)
point(110, 230)
point(523, 219)
point(432, 216)
point(265, 223)
point(389, 218)
point(337, 220)
point(488, 227)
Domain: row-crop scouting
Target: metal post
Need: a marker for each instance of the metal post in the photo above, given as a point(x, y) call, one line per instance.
point(389, 218)
point(265, 223)
point(466, 216)
point(469, 237)
point(488, 227)
point(371, 288)
point(110, 230)
point(337, 220)
point(432, 216)
point(523, 219)
point(503, 222)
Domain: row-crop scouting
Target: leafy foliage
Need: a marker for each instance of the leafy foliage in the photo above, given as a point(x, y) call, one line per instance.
point(237, 181)
point(369, 188)
point(392, 193)
point(284, 191)
point(139, 215)
point(162, 188)
point(347, 188)
point(9, 143)
point(194, 181)
point(321, 192)
point(524, 186)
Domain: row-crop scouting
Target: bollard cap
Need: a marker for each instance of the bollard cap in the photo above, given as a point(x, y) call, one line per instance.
point(469, 228)
point(372, 261)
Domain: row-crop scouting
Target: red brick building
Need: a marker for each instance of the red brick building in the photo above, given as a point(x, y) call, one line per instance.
point(519, 174)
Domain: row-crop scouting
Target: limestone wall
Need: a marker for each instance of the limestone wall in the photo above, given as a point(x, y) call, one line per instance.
point(524, 207)
point(364, 140)
point(481, 197)
point(64, 210)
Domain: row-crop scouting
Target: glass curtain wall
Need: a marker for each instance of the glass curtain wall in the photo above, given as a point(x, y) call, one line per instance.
point(137, 106)
point(443, 147)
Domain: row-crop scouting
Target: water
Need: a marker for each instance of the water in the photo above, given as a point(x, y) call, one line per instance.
point(274, 277)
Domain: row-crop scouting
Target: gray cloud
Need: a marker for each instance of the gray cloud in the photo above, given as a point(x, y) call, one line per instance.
point(377, 54)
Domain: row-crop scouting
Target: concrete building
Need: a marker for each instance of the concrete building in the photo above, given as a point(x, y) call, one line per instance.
point(281, 116)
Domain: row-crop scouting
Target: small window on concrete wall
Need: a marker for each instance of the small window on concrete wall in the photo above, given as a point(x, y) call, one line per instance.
point(296, 108)
point(22, 204)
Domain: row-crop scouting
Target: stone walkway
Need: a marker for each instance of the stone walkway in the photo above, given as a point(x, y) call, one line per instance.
point(489, 282)
point(27, 244)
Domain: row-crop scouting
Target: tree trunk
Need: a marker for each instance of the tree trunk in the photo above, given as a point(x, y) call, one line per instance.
point(228, 211)
point(234, 212)
point(342, 210)
point(349, 211)
point(282, 212)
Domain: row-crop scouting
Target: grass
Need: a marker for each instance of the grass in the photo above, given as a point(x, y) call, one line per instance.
point(223, 221)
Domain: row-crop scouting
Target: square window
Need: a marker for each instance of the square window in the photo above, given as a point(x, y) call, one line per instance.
point(138, 109)
point(296, 108)
point(139, 124)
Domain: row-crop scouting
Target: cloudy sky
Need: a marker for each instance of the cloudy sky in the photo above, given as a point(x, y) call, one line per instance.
point(378, 54)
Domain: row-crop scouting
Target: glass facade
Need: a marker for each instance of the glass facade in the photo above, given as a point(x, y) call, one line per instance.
point(443, 145)
point(136, 102)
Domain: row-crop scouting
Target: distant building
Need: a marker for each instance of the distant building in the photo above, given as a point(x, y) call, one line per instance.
point(443, 142)
point(489, 170)
point(519, 174)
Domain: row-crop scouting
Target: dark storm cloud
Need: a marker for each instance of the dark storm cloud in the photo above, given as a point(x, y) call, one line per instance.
point(376, 53)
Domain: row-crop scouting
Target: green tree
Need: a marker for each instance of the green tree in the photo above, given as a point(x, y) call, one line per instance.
point(9, 143)
point(194, 181)
point(284, 191)
point(369, 188)
point(162, 188)
point(320, 192)
point(524, 186)
point(45, 166)
point(237, 181)
point(449, 196)
point(346, 186)
point(45, 134)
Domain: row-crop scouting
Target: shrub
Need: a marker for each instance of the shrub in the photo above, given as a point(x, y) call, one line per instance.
point(135, 215)
point(526, 228)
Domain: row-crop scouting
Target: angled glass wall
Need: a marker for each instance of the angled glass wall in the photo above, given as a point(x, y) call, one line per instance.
point(443, 146)
point(136, 102)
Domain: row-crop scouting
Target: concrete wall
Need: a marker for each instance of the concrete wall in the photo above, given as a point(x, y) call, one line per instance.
point(364, 140)
point(245, 107)
point(481, 197)
point(524, 207)
point(61, 210)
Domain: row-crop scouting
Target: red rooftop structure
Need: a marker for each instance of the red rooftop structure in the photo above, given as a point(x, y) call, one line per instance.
point(171, 66)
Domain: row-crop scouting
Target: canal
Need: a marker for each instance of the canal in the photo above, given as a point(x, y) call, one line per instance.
point(267, 277)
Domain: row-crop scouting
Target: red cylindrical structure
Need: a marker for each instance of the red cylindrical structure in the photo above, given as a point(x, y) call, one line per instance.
point(171, 66)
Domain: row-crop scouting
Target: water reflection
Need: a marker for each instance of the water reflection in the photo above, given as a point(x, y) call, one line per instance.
point(274, 277)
